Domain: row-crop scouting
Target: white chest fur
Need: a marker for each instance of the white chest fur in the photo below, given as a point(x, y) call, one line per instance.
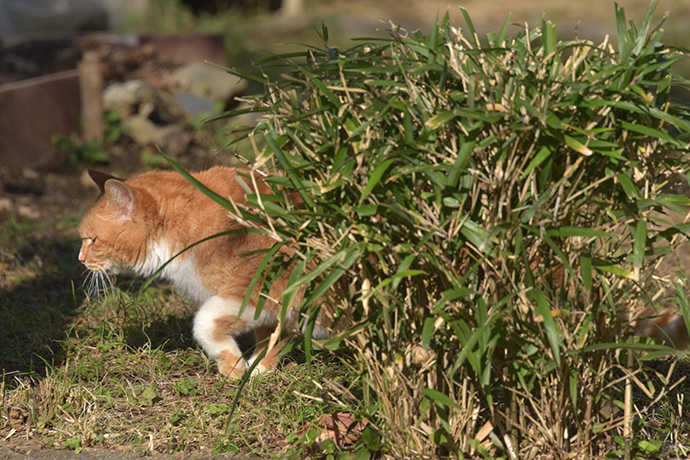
point(181, 270)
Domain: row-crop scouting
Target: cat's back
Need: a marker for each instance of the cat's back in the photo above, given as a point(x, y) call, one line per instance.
point(182, 207)
point(171, 185)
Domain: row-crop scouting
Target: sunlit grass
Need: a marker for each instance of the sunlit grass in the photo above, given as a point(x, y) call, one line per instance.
point(132, 378)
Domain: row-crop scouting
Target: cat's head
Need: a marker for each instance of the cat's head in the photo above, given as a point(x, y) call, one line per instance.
point(115, 231)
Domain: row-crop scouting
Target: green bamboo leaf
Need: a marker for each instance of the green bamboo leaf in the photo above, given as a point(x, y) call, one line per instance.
point(344, 256)
point(440, 119)
point(613, 269)
point(684, 306)
point(463, 157)
point(567, 231)
point(404, 267)
point(470, 27)
point(552, 330)
point(246, 75)
point(665, 349)
point(367, 210)
point(629, 186)
point(340, 263)
point(573, 378)
point(469, 341)
point(452, 295)
point(221, 200)
point(259, 274)
point(427, 331)
point(289, 169)
point(624, 45)
point(477, 235)
point(433, 41)
point(439, 398)
point(330, 95)
point(643, 34)
point(586, 271)
point(549, 37)
point(680, 123)
point(375, 178)
point(647, 131)
point(451, 202)
point(371, 121)
point(639, 243)
point(297, 270)
point(502, 35)
point(386, 83)
point(577, 145)
point(543, 153)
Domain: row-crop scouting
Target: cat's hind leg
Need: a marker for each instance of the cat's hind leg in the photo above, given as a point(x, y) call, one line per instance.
point(216, 324)
point(270, 359)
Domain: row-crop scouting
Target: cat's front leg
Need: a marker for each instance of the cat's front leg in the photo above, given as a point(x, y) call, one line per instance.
point(215, 326)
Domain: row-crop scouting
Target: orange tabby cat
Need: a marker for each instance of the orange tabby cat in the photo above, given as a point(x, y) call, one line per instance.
point(139, 224)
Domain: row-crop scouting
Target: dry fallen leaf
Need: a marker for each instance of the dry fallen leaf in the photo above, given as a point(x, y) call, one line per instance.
point(19, 416)
point(341, 427)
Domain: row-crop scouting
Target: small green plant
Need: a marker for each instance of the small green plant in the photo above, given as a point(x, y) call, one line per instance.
point(494, 207)
point(113, 127)
point(79, 151)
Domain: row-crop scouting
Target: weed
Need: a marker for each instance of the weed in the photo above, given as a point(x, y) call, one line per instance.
point(130, 375)
point(79, 151)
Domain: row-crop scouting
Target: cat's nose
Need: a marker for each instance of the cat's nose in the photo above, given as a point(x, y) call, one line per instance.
point(82, 256)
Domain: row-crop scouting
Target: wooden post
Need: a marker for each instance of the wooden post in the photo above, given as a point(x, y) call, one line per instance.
point(292, 8)
point(91, 89)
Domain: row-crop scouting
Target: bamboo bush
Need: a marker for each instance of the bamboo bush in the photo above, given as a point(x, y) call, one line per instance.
point(484, 212)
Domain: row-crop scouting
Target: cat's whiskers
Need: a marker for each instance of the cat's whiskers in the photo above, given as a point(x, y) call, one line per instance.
point(97, 282)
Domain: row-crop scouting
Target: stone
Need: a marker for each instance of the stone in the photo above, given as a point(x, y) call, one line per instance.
point(171, 139)
point(141, 129)
point(207, 81)
point(194, 104)
point(5, 204)
point(138, 98)
point(133, 97)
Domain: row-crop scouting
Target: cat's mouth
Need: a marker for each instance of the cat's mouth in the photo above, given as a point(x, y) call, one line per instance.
point(97, 267)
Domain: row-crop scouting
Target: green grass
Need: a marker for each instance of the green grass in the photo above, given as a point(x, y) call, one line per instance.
point(122, 372)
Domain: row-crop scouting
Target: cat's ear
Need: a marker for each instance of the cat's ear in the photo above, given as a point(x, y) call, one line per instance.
point(100, 178)
point(120, 195)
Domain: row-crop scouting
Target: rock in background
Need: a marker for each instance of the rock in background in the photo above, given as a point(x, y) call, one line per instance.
point(154, 85)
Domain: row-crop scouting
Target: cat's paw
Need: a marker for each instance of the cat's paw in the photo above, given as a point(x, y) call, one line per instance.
point(262, 368)
point(230, 365)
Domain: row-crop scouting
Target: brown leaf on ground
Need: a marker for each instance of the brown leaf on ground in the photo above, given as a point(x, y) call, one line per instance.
point(341, 427)
point(19, 416)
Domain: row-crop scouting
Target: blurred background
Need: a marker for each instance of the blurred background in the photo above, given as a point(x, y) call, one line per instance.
point(108, 83)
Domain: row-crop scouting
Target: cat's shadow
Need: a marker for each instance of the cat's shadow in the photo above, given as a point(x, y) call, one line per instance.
point(37, 304)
